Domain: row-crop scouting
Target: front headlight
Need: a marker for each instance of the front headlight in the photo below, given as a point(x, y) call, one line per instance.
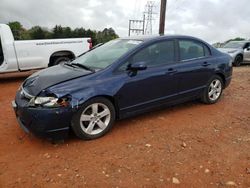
point(46, 101)
point(49, 102)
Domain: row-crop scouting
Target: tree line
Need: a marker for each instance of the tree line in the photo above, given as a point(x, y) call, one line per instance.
point(38, 32)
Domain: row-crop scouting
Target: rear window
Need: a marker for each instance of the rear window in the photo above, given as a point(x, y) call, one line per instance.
point(190, 50)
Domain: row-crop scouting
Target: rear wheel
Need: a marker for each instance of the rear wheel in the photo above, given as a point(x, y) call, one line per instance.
point(238, 60)
point(213, 91)
point(94, 119)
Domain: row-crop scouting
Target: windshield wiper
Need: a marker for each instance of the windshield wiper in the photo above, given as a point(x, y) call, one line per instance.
point(81, 66)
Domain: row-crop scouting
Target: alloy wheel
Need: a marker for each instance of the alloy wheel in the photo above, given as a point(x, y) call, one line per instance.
point(214, 90)
point(95, 118)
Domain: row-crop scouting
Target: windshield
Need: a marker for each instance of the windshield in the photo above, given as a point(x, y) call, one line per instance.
point(234, 45)
point(106, 54)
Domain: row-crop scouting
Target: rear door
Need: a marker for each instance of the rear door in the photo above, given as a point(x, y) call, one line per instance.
point(196, 67)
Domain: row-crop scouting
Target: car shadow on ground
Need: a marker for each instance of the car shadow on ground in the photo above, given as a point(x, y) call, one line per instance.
point(245, 64)
point(119, 125)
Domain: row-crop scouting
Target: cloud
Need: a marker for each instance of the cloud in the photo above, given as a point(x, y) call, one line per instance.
point(211, 20)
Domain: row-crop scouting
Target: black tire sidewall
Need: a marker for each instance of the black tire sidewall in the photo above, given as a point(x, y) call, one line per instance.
point(238, 60)
point(76, 118)
point(205, 97)
point(59, 60)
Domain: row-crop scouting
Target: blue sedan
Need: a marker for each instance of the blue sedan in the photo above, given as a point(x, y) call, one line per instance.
point(122, 78)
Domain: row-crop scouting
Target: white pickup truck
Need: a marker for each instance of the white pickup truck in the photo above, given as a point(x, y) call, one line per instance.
point(35, 54)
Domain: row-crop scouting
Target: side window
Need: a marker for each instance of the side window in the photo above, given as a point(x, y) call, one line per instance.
point(190, 50)
point(1, 53)
point(157, 54)
point(247, 45)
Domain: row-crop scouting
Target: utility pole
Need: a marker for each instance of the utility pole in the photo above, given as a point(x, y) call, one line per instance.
point(162, 17)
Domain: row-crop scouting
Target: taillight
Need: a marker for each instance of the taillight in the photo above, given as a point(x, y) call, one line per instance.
point(90, 43)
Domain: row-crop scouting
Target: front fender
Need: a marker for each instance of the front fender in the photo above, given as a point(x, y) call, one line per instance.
point(85, 94)
point(83, 89)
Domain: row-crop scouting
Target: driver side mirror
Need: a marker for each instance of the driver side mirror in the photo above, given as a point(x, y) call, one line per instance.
point(138, 66)
point(247, 49)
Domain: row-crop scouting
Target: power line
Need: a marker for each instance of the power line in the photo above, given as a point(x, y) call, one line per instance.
point(143, 26)
point(149, 12)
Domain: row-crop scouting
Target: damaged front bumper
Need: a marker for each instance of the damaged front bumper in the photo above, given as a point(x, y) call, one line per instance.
point(52, 123)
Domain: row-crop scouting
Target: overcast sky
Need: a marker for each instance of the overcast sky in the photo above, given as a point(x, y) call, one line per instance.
point(211, 20)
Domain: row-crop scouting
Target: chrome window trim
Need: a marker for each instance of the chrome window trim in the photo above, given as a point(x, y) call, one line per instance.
point(192, 59)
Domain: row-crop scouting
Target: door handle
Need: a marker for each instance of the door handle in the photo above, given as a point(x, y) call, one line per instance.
point(205, 64)
point(171, 71)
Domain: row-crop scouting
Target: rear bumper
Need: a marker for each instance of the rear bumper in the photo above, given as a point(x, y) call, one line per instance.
point(48, 123)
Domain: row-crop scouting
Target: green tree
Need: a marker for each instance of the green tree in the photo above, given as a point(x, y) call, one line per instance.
point(16, 29)
point(48, 34)
point(236, 39)
point(37, 32)
point(106, 35)
point(67, 32)
point(57, 32)
point(79, 33)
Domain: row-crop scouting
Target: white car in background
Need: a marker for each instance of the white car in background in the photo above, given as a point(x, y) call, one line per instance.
point(36, 54)
point(238, 50)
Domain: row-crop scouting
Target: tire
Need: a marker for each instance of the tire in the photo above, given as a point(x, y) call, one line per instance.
point(212, 93)
point(238, 60)
point(59, 60)
point(94, 118)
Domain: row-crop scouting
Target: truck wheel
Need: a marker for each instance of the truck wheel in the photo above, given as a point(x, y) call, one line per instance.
point(238, 60)
point(60, 60)
point(94, 118)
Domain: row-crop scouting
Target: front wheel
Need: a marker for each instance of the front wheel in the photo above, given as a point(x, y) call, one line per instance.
point(238, 60)
point(213, 91)
point(94, 119)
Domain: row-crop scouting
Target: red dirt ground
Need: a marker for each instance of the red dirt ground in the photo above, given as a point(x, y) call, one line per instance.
point(189, 145)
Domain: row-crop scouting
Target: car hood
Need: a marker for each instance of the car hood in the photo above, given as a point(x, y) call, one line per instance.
point(226, 50)
point(50, 77)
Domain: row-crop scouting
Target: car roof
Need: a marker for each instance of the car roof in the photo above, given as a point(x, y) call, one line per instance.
point(155, 37)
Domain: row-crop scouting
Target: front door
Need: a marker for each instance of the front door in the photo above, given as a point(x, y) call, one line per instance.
point(247, 52)
point(153, 86)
